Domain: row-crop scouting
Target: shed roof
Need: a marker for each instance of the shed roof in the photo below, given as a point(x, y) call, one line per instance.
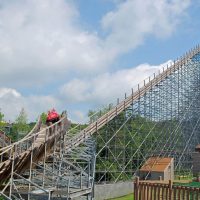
point(156, 164)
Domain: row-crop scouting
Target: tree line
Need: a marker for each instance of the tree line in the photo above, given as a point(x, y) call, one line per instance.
point(20, 127)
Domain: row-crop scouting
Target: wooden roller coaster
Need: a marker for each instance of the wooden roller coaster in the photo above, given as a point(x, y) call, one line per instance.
point(123, 105)
point(37, 145)
point(18, 157)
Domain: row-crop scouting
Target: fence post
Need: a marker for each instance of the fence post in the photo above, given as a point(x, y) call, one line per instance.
point(136, 189)
point(170, 189)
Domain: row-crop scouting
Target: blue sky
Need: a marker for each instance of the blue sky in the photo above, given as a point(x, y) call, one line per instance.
point(77, 55)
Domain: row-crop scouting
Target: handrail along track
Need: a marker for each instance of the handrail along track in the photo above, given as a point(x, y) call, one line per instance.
point(17, 156)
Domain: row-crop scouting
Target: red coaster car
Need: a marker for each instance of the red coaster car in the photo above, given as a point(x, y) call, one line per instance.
point(52, 117)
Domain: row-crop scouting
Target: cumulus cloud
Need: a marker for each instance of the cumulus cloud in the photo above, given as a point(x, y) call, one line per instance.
point(44, 41)
point(43, 44)
point(96, 91)
point(134, 20)
point(8, 92)
point(39, 40)
point(107, 87)
point(11, 102)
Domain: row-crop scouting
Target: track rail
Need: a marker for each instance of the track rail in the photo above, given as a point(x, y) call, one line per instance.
point(4, 139)
point(17, 157)
point(103, 120)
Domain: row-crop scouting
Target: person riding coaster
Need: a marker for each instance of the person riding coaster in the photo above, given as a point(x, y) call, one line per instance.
point(52, 117)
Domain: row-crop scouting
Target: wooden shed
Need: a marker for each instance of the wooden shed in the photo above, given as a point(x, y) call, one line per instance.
point(156, 168)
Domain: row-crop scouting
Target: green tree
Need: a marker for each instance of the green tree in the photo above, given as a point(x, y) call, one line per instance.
point(2, 123)
point(21, 127)
point(44, 117)
point(94, 115)
point(1, 116)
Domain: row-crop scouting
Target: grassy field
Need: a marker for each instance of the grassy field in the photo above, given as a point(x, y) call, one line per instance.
point(128, 197)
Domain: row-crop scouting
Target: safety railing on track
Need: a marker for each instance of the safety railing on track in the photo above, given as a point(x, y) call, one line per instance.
point(4, 139)
point(16, 156)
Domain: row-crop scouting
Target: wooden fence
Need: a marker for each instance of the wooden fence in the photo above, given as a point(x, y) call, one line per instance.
point(161, 191)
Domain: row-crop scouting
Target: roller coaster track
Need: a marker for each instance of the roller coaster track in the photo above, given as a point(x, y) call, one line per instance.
point(21, 159)
point(103, 120)
point(17, 157)
point(44, 162)
point(4, 139)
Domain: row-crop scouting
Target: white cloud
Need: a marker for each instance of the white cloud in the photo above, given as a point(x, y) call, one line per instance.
point(39, 40)
point(97, 91)
point(75, 90)
point(11, 102)
point(107, 87)
point(44, 42)
point(134, 20)
point(9, 92)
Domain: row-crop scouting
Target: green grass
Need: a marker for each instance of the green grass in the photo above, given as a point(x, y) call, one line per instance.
point(127, 197)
